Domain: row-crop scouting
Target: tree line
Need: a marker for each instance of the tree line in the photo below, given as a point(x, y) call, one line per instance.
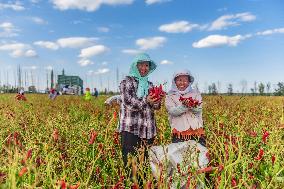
point(258, 89)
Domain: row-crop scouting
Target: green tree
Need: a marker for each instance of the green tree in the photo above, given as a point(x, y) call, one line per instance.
point(230, 89)
point(280, 90)
point(261, 87)
point(214, 89)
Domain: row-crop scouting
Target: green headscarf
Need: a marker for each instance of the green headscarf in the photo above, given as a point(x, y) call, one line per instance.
point(143, 85)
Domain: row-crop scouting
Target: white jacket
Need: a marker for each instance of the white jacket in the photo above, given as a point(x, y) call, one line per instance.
point(182, 118)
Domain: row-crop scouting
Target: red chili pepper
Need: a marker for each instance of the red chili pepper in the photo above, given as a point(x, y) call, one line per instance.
point(250, 165)
point(114, 115)
point(93, 136)
point(205, 170)
point(273, 158)
point(23, 171)
point(265, 136)
point(178, 168)
point(28, 155)
point(217, 183)
point(188, 182)
point(234, 182)
point(250, 176)
point(226, 150)
point(74, 186)
point(135, 186)
point(98, 170)
point(192, 103)
point(220, 167)
point(157, 92)
point(260, 154)
point(149, 184)
point(63, 184)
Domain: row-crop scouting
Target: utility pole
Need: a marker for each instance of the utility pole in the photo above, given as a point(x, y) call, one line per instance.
point(108, 83)
point(19, 77)
point(26, 79)
point(52, 80)
point(7, 77)
point(32, 77)
point(117, 79)
point(46, 79)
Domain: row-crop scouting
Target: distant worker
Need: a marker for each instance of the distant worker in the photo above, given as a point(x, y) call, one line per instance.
point(88, 95)
point(52, 94)
point(21, 95)
point(96, 93)
point(65, 89)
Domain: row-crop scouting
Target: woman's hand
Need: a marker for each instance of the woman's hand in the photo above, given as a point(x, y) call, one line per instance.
point(185, 102)
point(196, 110)
point(151, 99)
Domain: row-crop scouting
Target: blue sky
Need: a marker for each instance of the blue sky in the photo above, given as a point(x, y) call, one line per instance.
point(224, 41)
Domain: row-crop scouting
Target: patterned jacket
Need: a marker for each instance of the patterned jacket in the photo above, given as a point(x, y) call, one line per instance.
point(136, 115)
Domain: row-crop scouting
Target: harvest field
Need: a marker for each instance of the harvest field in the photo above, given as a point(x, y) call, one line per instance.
point(46, 144)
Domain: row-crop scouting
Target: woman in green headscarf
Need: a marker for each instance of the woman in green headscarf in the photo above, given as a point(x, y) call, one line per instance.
point(137, 122)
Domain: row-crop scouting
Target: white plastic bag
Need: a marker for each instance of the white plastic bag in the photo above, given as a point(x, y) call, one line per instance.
point(188, 153)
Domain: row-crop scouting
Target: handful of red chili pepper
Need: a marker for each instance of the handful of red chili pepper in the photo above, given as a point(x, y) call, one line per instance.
point(157, 92)
point(21, 97)
point(189, 102)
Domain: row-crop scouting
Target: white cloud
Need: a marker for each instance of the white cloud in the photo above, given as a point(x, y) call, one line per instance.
point(150, 2)
point(16, 6)
point(13, 46)
point(47, 44)
point(166, 62)
point(270, 32)
point(88, 5)
point(76, 42)
point(102, 71)
point(151, 43)
point(8, 30)
point(30, 53)
point(103, 29)
point(92, 51)
point(178, 27)
point(245, 17)
point(48, 68)
point(85, 62)
point(104, 63)
point(18, 50)
point(38, 20)
point(219, 40)
point(17, 53)
point(7, 26)
point(131, 51)
point(231, 20)
point(23, 53)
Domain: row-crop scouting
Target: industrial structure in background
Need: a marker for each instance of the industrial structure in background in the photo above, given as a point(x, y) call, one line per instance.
point(30, 82)
point(72, 85)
